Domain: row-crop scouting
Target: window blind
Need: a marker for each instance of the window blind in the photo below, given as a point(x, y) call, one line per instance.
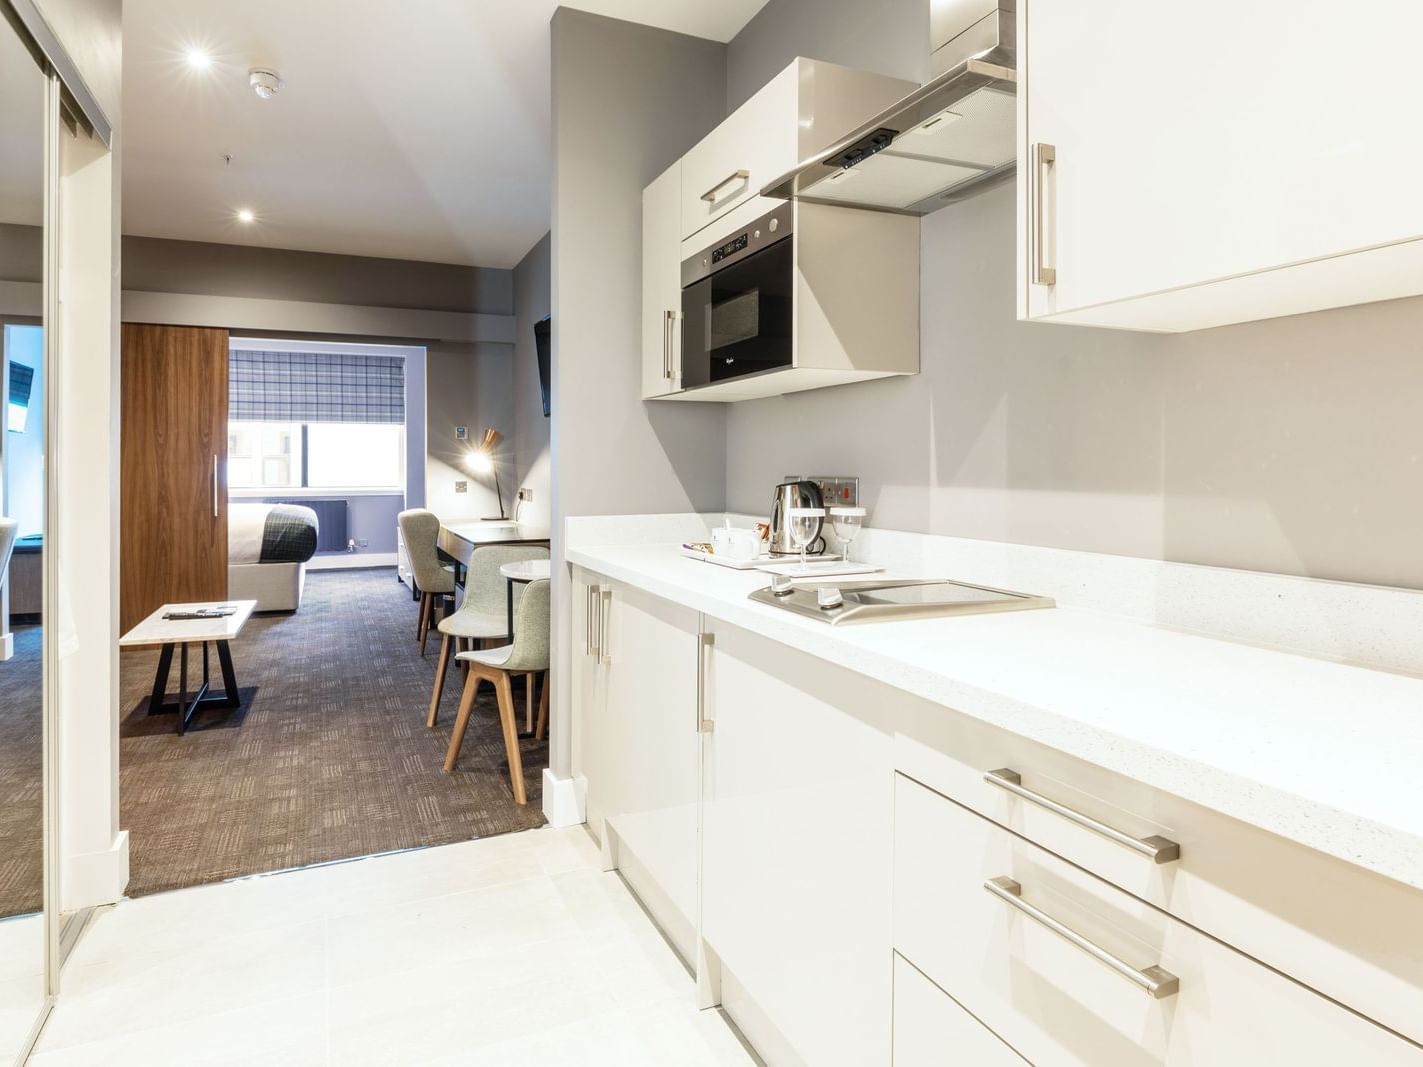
point(315, 387)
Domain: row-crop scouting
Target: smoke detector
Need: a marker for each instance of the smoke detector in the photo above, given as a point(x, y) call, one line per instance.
point(265, 83)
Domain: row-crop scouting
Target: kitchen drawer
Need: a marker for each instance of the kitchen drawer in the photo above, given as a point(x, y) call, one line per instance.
point(932, 1030)
point(1331, 925)
point(1057, 1003)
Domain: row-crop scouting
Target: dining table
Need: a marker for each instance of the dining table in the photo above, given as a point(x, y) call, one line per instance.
point(458, 541)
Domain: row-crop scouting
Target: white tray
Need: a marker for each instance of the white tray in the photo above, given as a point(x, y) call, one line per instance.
point(740, 564)
point(827, 568)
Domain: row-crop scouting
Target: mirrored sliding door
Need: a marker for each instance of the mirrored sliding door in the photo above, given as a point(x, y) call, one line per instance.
point(24, 503)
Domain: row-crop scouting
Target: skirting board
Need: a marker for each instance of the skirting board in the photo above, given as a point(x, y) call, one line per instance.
point(96, 877)
point(350, 561)
point(564, 799)
point(7, 647)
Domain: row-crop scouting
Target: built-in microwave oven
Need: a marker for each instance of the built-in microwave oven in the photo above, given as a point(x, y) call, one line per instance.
point(736, 303)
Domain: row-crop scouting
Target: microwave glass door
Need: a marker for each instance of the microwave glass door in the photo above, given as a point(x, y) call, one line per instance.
point(738, 320)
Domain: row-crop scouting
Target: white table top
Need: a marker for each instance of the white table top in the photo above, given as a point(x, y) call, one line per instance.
point(527, 570)
point(156, 630)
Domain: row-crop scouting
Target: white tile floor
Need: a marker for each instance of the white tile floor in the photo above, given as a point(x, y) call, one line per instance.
point(21, 982)
point(510, 950)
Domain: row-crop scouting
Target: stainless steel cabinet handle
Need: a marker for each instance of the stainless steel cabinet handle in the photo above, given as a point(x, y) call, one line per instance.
point(710, 196)
point(587, 620)
point(676, 346)
point(214, 487)
point(668, 318)
point(605, 613)
point(1044, 157)
point(1156, 849)
point(1154, 981)
point(704, 642)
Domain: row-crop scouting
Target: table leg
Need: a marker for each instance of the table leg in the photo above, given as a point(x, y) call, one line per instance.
point(509, 586)
point(229, 676)
point(160, 681)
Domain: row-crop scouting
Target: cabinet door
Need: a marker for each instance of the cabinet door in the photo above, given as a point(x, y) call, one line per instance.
point(796, 829)
point(594, 754)
point(1196, 142)
point(756, 144)
point(174, 468)
point(651, 715)
point(662, 284)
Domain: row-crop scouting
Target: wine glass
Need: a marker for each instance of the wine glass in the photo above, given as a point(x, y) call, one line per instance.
point(846, 522)
point(804, 525)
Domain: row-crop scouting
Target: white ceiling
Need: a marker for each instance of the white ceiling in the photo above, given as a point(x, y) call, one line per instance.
point(414, 131)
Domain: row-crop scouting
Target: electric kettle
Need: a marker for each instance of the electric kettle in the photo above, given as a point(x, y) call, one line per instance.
point(794, 494)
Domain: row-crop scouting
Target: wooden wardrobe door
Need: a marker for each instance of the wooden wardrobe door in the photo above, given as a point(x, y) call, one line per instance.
point(174, 468)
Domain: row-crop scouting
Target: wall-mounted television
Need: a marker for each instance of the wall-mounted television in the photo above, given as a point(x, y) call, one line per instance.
point(22, 381)
point(543, 339)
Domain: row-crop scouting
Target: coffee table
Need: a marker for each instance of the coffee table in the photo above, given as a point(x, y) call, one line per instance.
point(180, 633)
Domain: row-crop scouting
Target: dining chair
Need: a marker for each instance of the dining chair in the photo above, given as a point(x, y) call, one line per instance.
point(8, 530)
point(484, 614)
point(528, 653)
point(420, 530)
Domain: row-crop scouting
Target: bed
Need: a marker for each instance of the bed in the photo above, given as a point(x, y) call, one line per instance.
point(268, 546)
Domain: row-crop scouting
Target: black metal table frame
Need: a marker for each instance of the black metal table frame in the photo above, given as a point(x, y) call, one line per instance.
point(187, 710)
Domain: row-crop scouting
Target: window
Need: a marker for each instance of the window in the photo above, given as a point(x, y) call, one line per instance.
point(342, 455)
point(315, 455)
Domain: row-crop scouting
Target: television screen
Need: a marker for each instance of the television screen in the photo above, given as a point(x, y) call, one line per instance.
point(543, 338)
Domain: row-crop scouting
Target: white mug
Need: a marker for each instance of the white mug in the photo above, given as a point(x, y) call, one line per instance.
point(736, 543)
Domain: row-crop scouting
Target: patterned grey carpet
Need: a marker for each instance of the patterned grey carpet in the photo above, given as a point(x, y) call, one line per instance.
point(327, 759)
point(20, 766)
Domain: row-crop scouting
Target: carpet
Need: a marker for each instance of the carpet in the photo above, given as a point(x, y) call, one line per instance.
point(21, 766)
point(328, 758)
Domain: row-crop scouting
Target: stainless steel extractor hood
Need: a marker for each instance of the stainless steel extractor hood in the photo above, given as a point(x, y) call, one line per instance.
point(943, 142)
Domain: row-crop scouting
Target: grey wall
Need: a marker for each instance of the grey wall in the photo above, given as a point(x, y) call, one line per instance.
point(533, 300)
point(627, 101)
point(1291, 445)
point(161, 266)
point(21, 252)
point(886, 37)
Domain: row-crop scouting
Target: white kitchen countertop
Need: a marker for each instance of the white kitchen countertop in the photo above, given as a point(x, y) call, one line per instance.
point(1319, 752)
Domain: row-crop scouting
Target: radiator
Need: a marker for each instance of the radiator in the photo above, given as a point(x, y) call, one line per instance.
point(331, 535)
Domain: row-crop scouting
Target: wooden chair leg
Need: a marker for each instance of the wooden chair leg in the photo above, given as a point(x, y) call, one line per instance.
point(427, 600)
point(511, 736)
point(543, 709)
point(440, 668)
point(471, 687)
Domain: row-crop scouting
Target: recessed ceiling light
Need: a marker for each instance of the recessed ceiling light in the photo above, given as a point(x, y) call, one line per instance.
point(246, 215)
point(199, 59)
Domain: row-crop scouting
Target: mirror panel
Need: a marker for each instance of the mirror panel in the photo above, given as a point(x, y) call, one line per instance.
point(23, 433)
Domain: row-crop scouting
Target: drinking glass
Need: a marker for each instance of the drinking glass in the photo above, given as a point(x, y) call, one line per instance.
point(804, 526)
point(846, 522)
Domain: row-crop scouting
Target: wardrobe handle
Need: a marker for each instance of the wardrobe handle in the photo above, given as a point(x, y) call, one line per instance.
point(1156, 849)
point(667, 319)
point(735, 176)
point(1154, 981)
point(214, 487)
point(1044, 157)
point(704, 642)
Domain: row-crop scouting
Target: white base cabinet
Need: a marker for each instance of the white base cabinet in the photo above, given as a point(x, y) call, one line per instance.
point(1186, 166)
point(796, 851)
point(931, 1029)
point(642, 748)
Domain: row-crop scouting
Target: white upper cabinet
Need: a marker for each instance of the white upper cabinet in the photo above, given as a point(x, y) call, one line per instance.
point(1186, 166)
point(661, 284)
point(801, 111)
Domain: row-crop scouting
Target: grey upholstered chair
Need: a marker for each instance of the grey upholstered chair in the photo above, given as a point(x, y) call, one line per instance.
point(420, 529)
point(528, 653)
point(484, 614)
point(8, 530)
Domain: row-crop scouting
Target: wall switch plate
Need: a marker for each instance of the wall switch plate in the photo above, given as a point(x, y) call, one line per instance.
point(363, 543)
point(837, 490)
point(461, 487)
point(461, 433)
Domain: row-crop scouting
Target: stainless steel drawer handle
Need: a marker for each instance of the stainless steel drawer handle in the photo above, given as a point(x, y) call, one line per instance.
point(1154, 981)
point(710, 196)
point(1044, 159)
point(1156, 849)
point(704, 643)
